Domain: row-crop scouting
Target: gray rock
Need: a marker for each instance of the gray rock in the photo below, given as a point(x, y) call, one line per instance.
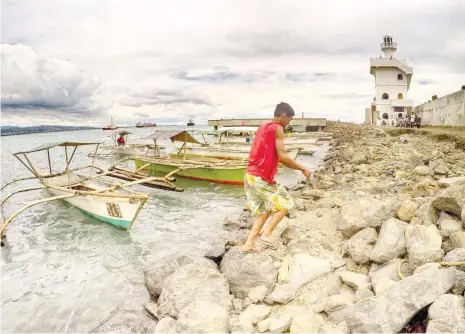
point(304, 268)
point(258, 293)
point(354, 280)
point(333, 284)
point(237, 304)
point(238, 221)
point(255, 313)
point(441, 169)
point(423, 245)
point(327, 329)
point(416, 221)
point(193, 282)
point(458, 239)
point(338, 306)
point(427, 266)
point(459, 284)
point(152, 308)
point(306, 322)
point(391, 241)
point(456, 255)
point(247, 271)
point(361, 294)
point(448, 224)
point(427, 213)
point(282, 294)
point(387, 270)
point(166, 325)
point(351, 220)
point(383, 285)
point(359, 158)
point(422, 170)
point(281, 324)
point(361, 244)
point(264, 325)
point(407, 211)
point(447, 315)
point(313, 193)
point(157, 273)
point(451, 200)
point(215, 252)
point(391, 311)
point(238, 325)
point(203, 316)
point(452, 182)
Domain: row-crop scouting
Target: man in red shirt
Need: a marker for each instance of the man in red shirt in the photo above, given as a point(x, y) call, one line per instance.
point(264, 196)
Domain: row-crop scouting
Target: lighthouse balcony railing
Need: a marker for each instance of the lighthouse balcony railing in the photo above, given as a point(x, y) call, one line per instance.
point(389, 45)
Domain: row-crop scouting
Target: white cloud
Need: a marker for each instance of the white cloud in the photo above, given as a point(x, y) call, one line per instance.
point(36, 84)
point(219, 59)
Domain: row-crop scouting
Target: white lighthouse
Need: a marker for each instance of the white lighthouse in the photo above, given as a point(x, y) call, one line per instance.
point(392, 82)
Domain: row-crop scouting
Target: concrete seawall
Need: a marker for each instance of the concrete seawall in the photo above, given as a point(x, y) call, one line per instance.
point(448, 110)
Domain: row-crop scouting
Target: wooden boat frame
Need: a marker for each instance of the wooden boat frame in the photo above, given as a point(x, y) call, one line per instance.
point(113, 191)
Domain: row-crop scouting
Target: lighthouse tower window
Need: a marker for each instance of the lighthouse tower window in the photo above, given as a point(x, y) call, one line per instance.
point(385, 96)
point(400, 77)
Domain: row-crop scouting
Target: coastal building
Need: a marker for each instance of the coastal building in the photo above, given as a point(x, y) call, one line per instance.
point(392, 82)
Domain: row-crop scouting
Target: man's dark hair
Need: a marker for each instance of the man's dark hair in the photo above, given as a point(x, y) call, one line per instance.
point(284, 108)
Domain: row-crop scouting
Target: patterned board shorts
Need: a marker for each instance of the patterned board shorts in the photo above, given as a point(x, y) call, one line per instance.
point(265, 197)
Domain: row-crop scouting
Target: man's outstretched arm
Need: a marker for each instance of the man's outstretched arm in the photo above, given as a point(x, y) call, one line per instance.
point(284, 158)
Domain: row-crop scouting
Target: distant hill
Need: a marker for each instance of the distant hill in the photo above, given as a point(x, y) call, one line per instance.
point(8, 130)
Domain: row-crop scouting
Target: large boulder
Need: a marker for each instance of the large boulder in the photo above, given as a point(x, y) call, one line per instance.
point(423, 245)
point(355, 280)
point(254, 314)
point(422, 170)
point(351, 220)
point(246, 271)
point(447, 315)
point(193, 282)
point(456, 255)
point(282, 294)
point(203, 316)
point(338, 306)
point(166, 325)
point(389, 270)
point(457, 239)
point(427, 213)
point(155, 274)
point(361, 244)
point(407, 211)
point(392, 310)
point(448, 224)
point(451, 200)
point(304, 268)
point(306, 322)
point(391, 241)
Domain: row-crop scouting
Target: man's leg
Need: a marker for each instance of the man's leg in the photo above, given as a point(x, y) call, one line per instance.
point(256, 228)
point(275, 220)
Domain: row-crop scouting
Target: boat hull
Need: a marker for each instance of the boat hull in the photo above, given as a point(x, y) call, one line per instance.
point(118, 212)
point(234, 176)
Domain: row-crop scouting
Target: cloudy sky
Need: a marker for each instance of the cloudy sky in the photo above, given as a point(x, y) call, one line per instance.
point(82, 61)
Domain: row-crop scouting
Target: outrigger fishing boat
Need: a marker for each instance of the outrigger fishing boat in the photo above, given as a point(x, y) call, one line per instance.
point(106, 200)
point(110, 126)
point(207, 169)
point(122, 150)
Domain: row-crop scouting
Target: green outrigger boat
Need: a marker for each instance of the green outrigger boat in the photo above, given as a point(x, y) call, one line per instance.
point(206, 169)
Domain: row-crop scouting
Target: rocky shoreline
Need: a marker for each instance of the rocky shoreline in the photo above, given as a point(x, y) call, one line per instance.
point(376, 244)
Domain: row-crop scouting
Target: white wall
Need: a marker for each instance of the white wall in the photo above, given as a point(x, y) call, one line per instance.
point(386, 82)
point(448, 110)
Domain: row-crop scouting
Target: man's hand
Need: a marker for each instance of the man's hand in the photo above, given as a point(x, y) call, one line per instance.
point(306, 173)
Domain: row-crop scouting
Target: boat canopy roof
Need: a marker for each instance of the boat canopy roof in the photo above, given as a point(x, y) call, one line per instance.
point(124, 133)
point(173, 135)
point(238, 129)
point(51, 145)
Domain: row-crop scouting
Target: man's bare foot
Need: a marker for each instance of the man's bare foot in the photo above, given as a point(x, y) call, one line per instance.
point(249, 249)
point(269, 241)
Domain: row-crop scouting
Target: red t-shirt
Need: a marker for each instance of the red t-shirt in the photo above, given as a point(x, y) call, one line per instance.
point(263, 158)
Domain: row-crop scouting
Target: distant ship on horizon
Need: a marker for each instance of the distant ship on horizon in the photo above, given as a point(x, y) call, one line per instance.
point(146, 125)
point(111, 126)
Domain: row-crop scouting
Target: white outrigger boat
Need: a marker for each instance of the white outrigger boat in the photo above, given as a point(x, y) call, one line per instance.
point(123, 150)
point(106, 200)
